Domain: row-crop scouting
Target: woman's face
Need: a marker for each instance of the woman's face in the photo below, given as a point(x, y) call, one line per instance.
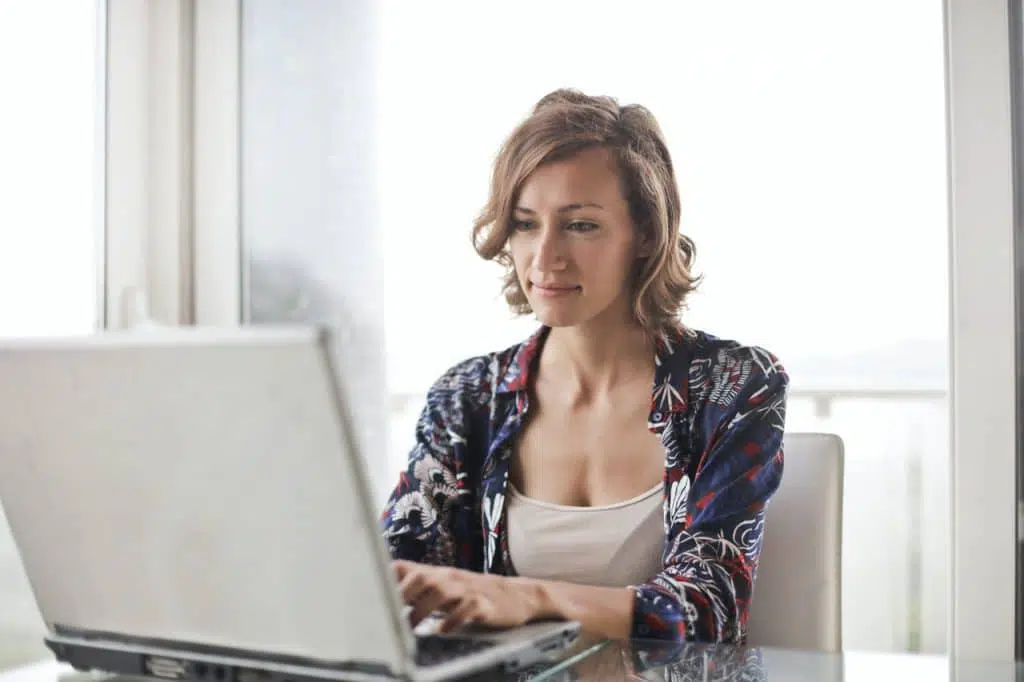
point(573, 243)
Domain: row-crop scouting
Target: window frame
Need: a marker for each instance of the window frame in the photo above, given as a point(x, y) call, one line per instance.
point(149, 174)
point(218, 259)
point(1016, 29)
point(983, 465)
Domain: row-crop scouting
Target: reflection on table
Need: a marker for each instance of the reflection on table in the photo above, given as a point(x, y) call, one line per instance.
point(639, 660)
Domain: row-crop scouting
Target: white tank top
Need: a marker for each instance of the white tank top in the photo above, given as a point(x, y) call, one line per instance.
point(614, 545)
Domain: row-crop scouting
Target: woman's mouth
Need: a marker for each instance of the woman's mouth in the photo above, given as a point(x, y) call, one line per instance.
point(555, 290)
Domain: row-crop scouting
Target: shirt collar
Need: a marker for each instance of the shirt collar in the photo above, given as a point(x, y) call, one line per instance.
point(671, 370)
point(516, 375)
point(670, 393)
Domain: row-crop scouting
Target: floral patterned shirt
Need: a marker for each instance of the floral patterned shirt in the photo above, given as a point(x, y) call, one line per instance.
point(719, 408)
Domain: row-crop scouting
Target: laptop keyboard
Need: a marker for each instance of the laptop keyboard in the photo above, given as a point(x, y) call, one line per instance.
point(434, 649)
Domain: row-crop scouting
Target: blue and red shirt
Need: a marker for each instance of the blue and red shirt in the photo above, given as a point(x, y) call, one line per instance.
point(719, 408)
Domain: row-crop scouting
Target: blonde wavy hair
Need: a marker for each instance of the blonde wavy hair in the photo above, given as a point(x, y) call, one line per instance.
point(562, 124)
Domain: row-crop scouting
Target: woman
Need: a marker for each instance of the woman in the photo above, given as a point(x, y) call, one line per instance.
point(533, 488)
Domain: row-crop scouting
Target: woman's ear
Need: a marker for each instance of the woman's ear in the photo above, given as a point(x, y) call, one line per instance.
point(644, 246)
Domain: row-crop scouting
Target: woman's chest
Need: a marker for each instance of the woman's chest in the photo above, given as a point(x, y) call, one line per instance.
point(555, 470)
point(586, 458)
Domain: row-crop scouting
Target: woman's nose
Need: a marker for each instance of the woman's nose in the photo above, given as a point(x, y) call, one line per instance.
point(548, 255)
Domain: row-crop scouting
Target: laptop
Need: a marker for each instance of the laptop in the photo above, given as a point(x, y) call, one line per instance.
point(189, 504)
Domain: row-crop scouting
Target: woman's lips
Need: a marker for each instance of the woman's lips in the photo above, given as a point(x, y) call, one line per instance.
point(555, 290)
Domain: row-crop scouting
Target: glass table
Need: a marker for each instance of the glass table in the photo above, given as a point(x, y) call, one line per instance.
point(639, 660)
point(606, 661)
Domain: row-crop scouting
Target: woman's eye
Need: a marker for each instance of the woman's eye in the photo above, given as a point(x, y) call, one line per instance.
point(522, 225)
point(582, 226)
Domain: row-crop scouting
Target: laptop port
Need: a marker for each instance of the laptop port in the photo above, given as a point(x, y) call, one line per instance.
point(556, 643)
point(253, 676)
point(166, 668)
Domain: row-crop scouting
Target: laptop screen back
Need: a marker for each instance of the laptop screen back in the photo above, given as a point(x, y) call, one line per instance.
point(196, 486)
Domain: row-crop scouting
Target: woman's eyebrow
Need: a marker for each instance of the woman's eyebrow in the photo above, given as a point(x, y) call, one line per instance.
point(563, 209)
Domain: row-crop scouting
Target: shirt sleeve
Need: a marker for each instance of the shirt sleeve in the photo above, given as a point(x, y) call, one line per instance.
point(429, 516)
point(717, 522)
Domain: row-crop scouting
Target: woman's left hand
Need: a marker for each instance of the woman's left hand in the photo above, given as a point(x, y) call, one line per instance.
point(466, 597)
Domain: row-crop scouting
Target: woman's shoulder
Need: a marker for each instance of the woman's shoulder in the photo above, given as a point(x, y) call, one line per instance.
point(719, 350)
point(481, 377)
point(719, 368)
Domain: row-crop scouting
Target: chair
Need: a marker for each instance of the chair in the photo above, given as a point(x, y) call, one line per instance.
point(797, 601)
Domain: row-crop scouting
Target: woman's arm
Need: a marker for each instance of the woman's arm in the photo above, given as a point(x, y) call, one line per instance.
point(428, 517)
point(717, 520)
point(468, 597)
point(603, 611)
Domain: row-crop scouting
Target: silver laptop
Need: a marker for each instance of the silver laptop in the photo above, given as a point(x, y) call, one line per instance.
point(188, 504)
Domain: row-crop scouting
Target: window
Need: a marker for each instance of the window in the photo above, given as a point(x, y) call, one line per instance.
point(813, 180)
point(50, 227)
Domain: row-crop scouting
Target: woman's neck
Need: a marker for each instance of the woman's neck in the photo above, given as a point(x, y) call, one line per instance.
point(589, 363)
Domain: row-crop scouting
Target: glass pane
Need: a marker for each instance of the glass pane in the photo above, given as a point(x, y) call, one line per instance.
point(308, 198)
point(813, 179)
point(50, 231)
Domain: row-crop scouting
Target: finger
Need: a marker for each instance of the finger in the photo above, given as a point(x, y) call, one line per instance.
point(422, 606)
point(413, 586)
point(401, 567)
point(466, 613)
point(436, 598)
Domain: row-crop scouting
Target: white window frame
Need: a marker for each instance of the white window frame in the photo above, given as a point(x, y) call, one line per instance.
point(148, 179)
point(219, 272)
point(983, 463)
point(174, 231)
point(171, 179)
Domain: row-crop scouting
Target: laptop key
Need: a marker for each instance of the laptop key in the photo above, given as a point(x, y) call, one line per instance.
point(434, 649)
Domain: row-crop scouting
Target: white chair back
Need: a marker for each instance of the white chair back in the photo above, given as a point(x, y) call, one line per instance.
point(797, 602)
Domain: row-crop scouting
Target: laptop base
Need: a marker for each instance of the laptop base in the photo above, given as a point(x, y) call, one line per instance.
point(87, 652)
point(110, 657)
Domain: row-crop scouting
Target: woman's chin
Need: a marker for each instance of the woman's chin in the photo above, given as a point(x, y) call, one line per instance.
point(562, 315)
point(557, 318)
